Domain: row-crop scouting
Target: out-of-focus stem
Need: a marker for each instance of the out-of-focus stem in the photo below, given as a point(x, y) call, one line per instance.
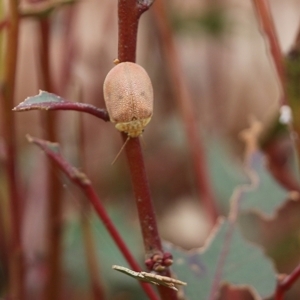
point(284, 285)
point(16, 268)
point(3, 24)
point(69, 50)
point(185, 105)
point(90, 254)
point(54, 218)
point(98, 291)
point(267, 24)
point(279, 169)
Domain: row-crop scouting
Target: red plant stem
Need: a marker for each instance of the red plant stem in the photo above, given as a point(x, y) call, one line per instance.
point(265, 18)
point(287, 283)
point(185, 104)
point(85, 211)
point(129, 12)
point(279, 170)
point(100, 113)
point(152, 242)
point(3, 24)
point(90, 254)
point(16, 268)
point(95, 201)
point(4, 250)
point(54, 218)
point(277, 158)
point(69, 50)
point(83, 182)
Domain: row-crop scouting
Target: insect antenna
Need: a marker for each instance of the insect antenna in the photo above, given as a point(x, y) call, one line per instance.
point(128, 137)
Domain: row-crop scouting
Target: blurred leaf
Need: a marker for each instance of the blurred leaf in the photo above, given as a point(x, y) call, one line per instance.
point(108, 254)
point(226, 173)
point(267, 195)
point(264, 194)
point(227, 258)
point(213, 22)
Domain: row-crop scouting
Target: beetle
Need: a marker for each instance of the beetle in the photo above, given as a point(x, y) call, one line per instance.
point(128, 95)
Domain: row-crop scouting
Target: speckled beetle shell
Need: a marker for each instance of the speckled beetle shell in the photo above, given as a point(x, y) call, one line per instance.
point(128, 96)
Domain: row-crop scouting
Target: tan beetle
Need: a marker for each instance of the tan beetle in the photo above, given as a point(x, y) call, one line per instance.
point(128, 95)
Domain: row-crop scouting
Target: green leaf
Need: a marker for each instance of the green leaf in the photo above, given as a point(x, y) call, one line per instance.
point(42, 98)
point(48, 101)
point(266, 195)
point(107, 253)
point(227, 258)
point(226, 173)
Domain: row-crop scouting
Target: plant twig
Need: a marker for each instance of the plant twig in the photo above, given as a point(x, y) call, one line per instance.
point(54, 217)
point(3, 24)
point(85, 212)
point(69, 50)
point(100, 113)
point(16, 276)
point(265, 18)
point(285, 284)
point(144, 203)
point(129, 12)
point(185, 105)
point(81, 180)
point(279, 169)
point(90, 254)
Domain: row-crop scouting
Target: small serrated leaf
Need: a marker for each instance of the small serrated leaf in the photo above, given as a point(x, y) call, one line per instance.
point(43, 100)
point(48, 101)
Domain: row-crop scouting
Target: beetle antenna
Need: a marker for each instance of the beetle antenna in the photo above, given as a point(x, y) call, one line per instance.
point(128, 137)
point(143, 141)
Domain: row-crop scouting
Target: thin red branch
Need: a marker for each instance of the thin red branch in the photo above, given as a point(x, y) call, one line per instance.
point(16, 276)
point(267, 24)
point(80, 179)
point(129, 12)
point(144, 204)
point(90, 254)
point(93, 268)
point(279, 169)
point(100, 113)
point(69, 50)
point(4, 24)
point(54, 192)
point(284, 285)
point(186, 108)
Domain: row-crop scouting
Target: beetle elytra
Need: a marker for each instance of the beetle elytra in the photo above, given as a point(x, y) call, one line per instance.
point(128, 96)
